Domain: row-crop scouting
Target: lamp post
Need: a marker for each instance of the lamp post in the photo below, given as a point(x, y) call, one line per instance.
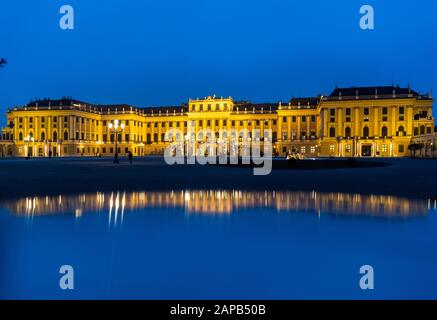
point(116, 127)
point(28, 140)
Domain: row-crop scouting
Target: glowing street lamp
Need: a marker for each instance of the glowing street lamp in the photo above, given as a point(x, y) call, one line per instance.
point(116, 127)
point(28, 140)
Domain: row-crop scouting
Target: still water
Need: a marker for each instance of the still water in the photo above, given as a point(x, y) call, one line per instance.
point(218, 244)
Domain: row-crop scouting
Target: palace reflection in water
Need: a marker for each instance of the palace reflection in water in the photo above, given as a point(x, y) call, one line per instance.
point(219, 202)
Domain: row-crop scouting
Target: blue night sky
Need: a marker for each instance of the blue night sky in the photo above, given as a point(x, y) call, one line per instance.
point(148, 53)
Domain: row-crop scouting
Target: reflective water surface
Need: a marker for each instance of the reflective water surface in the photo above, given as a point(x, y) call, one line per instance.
point(218, 244)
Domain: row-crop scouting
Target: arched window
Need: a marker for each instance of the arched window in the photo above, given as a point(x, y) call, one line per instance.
point(401, 130)
point(149, 138)
point(55, 136)
point(422, 129)
point(155, 137)
point(347, 132)
point(20, 136)
point(332, 132)
point(365, 131)
point(384, 131)
point(43, 135)
point(65, 135)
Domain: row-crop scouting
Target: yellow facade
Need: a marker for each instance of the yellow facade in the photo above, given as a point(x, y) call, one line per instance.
point(351, 122)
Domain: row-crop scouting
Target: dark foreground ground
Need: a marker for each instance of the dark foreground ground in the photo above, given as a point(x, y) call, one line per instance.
point(412, 178)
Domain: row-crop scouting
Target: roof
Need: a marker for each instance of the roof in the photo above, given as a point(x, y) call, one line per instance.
point(166, 109)
point(56, 102)
point(114, 107)
point(372, 91)
point(306, 101)
point(241, 105)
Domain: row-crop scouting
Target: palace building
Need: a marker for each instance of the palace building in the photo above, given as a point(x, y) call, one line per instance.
point(350, 122)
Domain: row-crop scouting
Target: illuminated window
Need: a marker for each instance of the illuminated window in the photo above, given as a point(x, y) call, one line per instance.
point(401, 131)
point(348, 148)
point(313, 149)
point(302, 149)
point(332, 148)
point(401, 113)
point(384, 148)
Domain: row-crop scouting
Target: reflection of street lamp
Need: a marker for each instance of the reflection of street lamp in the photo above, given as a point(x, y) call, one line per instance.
point(142, 148)
point(117, 128)
point(59, 147)
point(28, 139)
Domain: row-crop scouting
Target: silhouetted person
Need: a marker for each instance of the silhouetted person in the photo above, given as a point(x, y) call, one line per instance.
point(130, 156)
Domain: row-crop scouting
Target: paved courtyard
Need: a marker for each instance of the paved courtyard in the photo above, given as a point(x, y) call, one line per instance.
point(413, 178)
